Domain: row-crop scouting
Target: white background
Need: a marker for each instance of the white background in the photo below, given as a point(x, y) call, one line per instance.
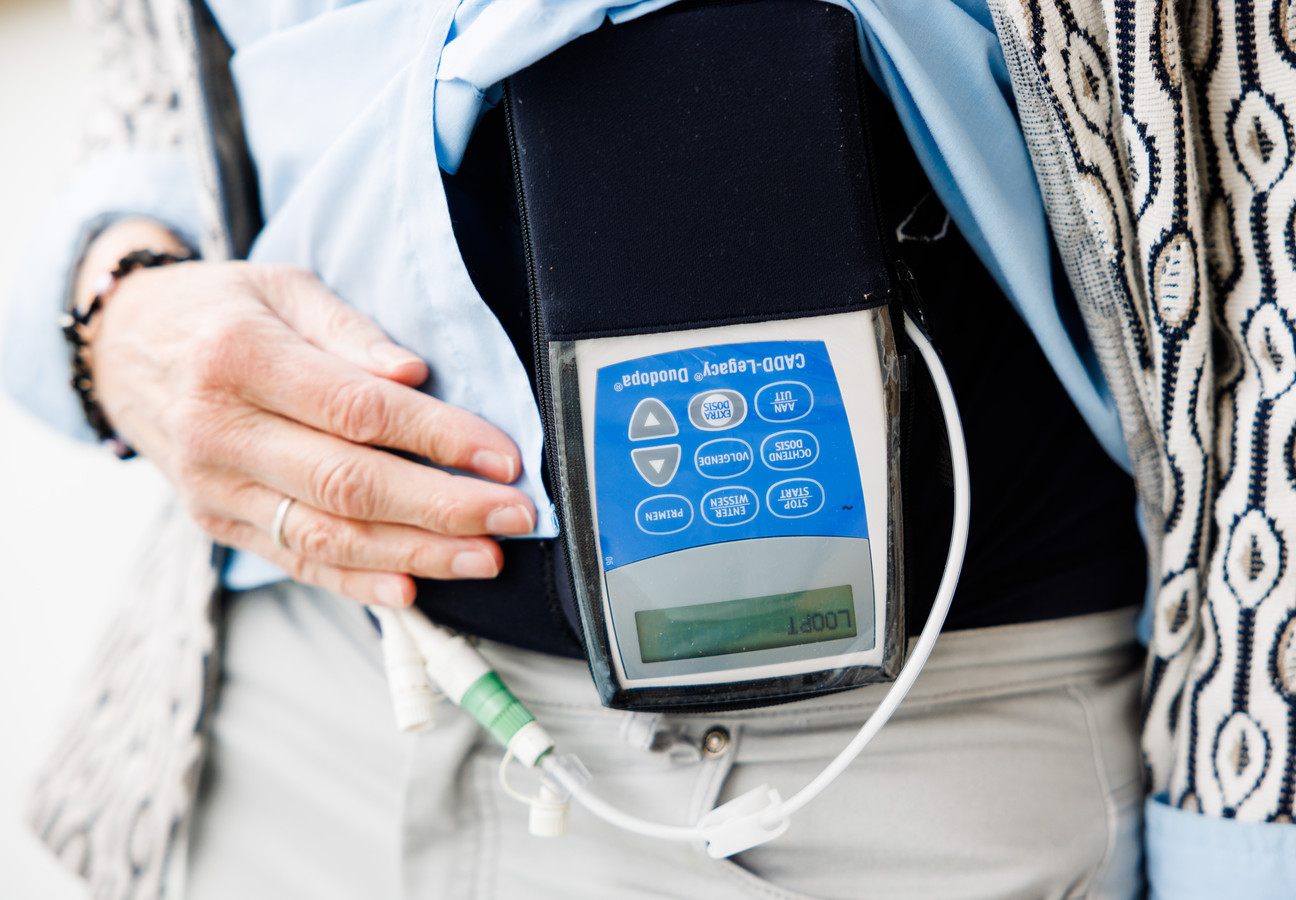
point(70, 515)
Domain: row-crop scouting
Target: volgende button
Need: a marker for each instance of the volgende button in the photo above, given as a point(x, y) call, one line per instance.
point(651, 419)
point(730, 506)
point(789, 450)
point(795, 498)
point(783, 401)
point(717, 410)
point(657, 464)
point(723, 458)
point(664, 514)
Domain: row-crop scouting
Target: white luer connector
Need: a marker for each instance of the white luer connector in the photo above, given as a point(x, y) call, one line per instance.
point(412, 698)
point(448, 659)
point(550, 811)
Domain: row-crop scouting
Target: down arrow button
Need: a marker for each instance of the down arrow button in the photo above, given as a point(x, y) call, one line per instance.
point(657, 464)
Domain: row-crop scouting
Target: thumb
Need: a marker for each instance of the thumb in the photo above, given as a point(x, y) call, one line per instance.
point(321, 317)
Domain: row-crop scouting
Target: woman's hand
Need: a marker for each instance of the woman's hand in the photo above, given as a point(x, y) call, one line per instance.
point(248, 383)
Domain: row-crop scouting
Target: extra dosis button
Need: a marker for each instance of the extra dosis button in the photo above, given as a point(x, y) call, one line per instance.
point(717, 410)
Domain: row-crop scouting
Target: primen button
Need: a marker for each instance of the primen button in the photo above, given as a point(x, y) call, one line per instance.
point(652, 419)
point(717, 410)
point(657, 465)
point(665, 514)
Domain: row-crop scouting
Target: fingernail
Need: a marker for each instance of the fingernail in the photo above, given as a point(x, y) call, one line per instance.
point(494, 465)
point(391, 356)
point(474, 564)
point(388, 593)
point(510, 520)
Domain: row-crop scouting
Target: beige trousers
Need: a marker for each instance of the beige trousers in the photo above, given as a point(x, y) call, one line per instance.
point(1012, 771)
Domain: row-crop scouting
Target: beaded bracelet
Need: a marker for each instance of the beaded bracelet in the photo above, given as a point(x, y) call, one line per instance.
point(74, 325)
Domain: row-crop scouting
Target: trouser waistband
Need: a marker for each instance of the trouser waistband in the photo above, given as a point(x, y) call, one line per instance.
point(965, 665)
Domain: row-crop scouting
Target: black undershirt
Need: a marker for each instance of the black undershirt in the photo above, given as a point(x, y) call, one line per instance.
point(1053, 531)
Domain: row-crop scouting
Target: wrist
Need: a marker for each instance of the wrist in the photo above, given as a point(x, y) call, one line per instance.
point(114, 255)
point(103, 254)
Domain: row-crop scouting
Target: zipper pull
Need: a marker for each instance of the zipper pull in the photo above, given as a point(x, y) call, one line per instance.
point(910, 299)
point(911, 306)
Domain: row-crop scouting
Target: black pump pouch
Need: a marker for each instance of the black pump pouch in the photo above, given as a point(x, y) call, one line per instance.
point(713, 304)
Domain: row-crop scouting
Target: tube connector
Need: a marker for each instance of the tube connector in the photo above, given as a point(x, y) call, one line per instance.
point(550, 811)
point(413, 702)
point(456, 667)
point(451, 662)
point(499, 712)
point(744, 822)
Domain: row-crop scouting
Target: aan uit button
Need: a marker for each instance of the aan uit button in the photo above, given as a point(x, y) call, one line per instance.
point(651, 419)
point(783, 401)
point(657, 465)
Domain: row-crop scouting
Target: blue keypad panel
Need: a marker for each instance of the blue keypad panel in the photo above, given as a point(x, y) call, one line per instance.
point(724, 443)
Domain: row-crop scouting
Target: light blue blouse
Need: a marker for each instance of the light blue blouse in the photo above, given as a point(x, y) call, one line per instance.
point(350, 107)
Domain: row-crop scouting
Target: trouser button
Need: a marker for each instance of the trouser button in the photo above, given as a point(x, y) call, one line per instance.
point(715, 742)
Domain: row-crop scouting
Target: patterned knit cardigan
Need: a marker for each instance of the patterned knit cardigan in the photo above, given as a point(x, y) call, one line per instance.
point(1162, 141)
point(1161, 138)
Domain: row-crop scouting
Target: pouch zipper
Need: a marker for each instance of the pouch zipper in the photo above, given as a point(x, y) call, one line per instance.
point(540, 351)
point(539, 346)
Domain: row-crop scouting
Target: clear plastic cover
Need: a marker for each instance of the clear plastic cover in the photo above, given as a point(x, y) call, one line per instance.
point(730, 499)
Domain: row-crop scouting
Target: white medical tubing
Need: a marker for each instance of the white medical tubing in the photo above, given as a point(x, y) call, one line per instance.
point(944, 593)
point(554, 768)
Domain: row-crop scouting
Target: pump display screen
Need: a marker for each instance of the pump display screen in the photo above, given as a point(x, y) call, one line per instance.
point(738, 626)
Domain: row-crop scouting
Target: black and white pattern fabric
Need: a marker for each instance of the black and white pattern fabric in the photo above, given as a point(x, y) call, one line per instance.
point(1161, 133)
point(1234, 748)
point(113, 797)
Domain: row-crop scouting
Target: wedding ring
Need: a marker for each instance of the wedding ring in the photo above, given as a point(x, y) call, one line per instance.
point(276, 527)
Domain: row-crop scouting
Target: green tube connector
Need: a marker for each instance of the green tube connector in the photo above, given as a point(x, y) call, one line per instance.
point(499, 712)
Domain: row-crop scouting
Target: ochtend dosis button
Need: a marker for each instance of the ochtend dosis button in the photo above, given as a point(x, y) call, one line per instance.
point(657, 464)
point(651, 419)
point(790, 450)
point(717, 410)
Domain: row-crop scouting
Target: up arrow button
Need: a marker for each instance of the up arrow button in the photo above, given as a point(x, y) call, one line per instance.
point(657, 464)
point(651, 420)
